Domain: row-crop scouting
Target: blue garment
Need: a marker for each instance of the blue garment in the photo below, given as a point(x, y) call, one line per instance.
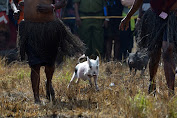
point(114, 7)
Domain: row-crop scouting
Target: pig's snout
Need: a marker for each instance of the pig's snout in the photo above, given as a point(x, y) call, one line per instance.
point(131, 62)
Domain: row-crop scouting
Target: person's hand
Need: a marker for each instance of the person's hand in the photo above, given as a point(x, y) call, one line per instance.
point(16, 14)
point(124, 25)
point(137, 22)
point(105, 23)
point(78, 21)
point(44, 8)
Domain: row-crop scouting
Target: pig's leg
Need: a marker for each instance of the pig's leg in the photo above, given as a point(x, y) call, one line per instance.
point(130, 71)
point(144, 68)
point(90, 81)
point(134, 72)
point(74, 77)
point(142, 72)
point(78, 80)
point(96, 85)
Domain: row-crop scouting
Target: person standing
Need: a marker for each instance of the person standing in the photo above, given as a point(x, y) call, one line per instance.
point(69, 12)
point(127, 37)
point(156, 31)
point(41, 36)
point(4, 24)
point(18, 8)
point(115, 8)
point(91, 30)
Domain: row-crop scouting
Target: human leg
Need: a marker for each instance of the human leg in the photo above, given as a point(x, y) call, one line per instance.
point(74, 77)
point(108, 48)
point(169, 65)
point(35, 80)
point(49, 70)
point(98, 37)
point(125, 43)
point(153, 66)
point(85, 34)
point(116, 48)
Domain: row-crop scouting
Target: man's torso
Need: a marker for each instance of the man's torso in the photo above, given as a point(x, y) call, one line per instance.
point(114, 7)
point(163, 5)
point(91, 6)
point(31, 13)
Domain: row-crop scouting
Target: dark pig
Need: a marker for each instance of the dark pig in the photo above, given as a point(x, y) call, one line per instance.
point(10, 55)
point(137, 61)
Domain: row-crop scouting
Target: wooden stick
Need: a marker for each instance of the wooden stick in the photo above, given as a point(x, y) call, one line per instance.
point(96, 17)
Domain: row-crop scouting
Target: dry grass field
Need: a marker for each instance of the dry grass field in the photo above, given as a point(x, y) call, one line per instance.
point(127, 99)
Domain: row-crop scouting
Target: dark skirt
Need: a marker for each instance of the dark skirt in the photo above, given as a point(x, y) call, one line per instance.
point(43, 41)
point(151, 29)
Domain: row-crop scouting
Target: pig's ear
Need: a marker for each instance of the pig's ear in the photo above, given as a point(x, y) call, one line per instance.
point(97, 60)
point(128, 53)
point(88, 60)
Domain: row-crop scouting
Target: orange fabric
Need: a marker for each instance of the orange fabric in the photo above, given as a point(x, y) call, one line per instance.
point(20, 1)
point(21, 15)
point(21, 12)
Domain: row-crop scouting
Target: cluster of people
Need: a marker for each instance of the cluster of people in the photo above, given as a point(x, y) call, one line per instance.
point(101, 35)
point(8, 26)
point(41, 34)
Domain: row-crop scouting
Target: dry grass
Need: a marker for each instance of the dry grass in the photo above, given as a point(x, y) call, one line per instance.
point(128, 98)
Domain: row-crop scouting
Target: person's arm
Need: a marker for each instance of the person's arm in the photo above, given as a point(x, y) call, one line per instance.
point(125, 21)
point(76, 9)
point(13, 6)
point(16, 11)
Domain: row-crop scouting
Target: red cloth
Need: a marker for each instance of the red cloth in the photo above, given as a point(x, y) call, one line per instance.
point(4, 18)
point(58, 11)
point(21, 17)
point(161, 5)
